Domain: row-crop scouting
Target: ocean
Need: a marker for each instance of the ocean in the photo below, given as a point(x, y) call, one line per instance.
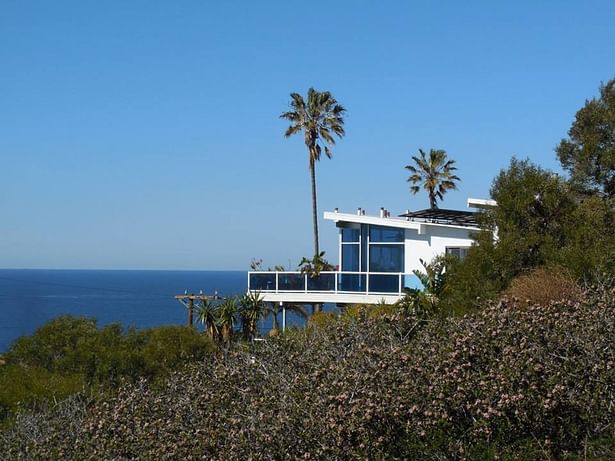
point(29, 298)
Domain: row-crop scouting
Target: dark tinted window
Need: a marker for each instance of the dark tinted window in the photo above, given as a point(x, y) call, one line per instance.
point(350, 235)
point(385, 234)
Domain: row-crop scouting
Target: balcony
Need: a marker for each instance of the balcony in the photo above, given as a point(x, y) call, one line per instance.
point(333, 287)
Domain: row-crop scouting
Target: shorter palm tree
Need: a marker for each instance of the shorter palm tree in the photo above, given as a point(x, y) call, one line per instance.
point(434, 174)
point(274, 309)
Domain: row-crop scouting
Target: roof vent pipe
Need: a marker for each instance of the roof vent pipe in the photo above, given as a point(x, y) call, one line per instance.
point(359, 211)
point(382, 212)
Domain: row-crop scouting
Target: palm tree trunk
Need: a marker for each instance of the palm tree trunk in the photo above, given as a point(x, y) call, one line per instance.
point(314, 205)
point(274, 316)
point(315, 307)
point(432, 200)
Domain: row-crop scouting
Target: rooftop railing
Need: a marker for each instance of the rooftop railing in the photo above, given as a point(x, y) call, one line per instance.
point(378, 283)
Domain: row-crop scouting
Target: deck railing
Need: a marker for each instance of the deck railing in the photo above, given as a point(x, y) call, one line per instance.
point(380, 283)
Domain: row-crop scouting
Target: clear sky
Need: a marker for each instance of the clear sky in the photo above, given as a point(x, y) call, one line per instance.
point(145, 134)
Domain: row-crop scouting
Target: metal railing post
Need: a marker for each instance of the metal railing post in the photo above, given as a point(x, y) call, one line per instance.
point(366, 282)
point(335, 286)
point(305, 283)
point(277, 278)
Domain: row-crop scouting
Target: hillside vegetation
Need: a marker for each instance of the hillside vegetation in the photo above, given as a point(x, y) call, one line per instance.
point(512, 381)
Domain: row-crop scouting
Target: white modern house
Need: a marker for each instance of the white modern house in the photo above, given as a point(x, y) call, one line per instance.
point(377, 256)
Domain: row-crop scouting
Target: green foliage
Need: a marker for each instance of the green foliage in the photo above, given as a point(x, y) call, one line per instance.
point(206, 315)
point(58, 345)
point(314, 266)
point(590, 245)
point(589, 152)
point(435, 174)
point(433, 278)
point(68, 353)
point(508, 382)
point(21, 387)
point(252, 309)
point(539, 222)
point(533, 207)
point(474, 280)
point(226, 317)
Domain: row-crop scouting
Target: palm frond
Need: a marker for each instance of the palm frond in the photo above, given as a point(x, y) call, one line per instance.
point(434, 173)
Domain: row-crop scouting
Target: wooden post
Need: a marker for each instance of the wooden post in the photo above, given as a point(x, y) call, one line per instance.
point(190, 310)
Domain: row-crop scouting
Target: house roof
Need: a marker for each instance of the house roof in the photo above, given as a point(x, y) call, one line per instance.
point(441, 216)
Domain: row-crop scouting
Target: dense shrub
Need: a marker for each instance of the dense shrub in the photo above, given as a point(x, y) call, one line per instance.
point(544, 285)
point(512, 381)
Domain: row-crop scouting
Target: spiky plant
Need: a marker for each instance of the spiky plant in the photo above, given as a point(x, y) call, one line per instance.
point(434, 174)
point(226, 318)
point(251, 311)
point(206, 314)
point(320, 118)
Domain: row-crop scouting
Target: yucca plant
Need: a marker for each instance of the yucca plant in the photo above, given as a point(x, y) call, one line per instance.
point(226, 318)
point(206, 314)
point(252, 309)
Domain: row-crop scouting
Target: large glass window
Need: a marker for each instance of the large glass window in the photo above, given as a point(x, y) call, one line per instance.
point(350, 235)
point(386, 258)
point(350, 257)
point(385, 234)
point(459, 252)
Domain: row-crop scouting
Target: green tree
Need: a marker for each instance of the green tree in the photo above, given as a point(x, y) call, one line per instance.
point(320, 118)
point(529, 228)
point(434, 174)
point(589, 152)
point(534, 206)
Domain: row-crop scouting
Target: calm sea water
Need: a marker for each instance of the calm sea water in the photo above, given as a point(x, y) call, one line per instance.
point(29, 298)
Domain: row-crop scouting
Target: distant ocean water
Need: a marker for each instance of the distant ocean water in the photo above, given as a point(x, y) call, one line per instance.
point(29, 298)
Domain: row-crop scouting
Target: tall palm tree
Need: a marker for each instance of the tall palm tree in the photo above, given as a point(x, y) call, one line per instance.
point(435, 174)
point(319, 119)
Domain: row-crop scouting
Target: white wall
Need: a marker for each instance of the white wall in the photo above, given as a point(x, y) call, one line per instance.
point(431, 244)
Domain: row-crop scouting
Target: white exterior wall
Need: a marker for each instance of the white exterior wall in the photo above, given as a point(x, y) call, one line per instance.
point(431, 242)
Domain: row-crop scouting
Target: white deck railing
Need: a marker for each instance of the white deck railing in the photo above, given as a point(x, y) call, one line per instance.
point(378, 283)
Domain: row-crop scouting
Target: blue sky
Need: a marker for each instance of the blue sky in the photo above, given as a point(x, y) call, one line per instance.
point(145, 134)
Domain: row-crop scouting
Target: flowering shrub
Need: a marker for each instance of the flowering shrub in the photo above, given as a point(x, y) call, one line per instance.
point(511, 381)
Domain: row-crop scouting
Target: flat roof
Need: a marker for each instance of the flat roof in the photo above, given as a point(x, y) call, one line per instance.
point(399, 222)
point(442, 216)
